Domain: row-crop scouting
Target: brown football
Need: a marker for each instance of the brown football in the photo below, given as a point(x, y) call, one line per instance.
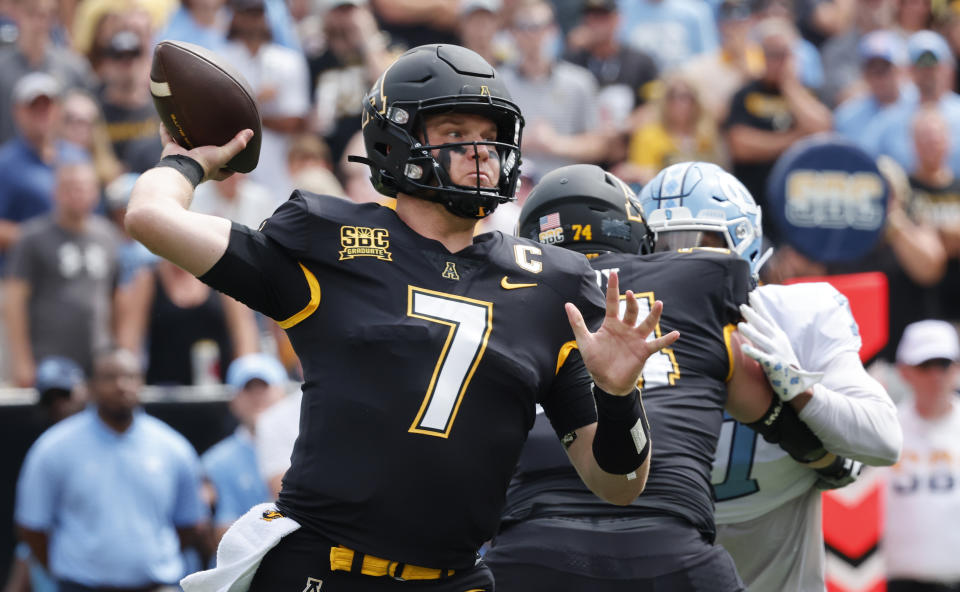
point(202, 100)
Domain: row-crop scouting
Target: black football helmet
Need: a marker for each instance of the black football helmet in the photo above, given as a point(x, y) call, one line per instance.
point(433, 79)
point(586, 209)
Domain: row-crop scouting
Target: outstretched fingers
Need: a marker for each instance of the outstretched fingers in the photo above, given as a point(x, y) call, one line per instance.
point(613, 296)
point(633, 310)
point(651, 321)
point(580, 331)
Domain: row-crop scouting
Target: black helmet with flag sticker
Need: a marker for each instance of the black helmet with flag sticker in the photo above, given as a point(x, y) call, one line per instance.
point(434, 79)
point(587, 209)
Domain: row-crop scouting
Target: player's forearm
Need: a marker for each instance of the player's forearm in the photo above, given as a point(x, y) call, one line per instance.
point(615, 489)
point(157, 216)
point(811, 115)
point(749, 144)
point(853, 416)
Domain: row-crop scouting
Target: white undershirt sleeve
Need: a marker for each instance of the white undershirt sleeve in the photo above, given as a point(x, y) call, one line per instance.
point(853, 415)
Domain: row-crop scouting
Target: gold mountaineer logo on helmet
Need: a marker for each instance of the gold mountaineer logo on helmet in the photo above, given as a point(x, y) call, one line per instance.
point(363, 241)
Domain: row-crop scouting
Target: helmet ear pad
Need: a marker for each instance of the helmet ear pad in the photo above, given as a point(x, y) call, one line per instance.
point(586, 209)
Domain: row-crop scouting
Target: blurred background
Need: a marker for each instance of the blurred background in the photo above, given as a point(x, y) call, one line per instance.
point(841, 116)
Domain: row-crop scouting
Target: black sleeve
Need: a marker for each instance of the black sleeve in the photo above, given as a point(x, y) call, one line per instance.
point(569, 404)
point(738, 111)
point(739, 283)
point(259, 273)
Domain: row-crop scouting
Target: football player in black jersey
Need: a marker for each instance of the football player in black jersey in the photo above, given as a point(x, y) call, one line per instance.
point(425, 350)
point(555, 534)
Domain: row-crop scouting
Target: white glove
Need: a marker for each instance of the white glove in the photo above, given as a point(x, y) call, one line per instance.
point(772, 350)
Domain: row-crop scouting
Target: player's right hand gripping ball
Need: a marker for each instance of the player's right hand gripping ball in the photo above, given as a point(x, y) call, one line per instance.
point(771, 348)
point(203, 101)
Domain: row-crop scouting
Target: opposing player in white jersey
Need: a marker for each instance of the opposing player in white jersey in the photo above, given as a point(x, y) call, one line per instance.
point(768, 509)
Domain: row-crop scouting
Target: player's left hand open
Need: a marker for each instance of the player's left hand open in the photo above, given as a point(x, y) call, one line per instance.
point(615, 354)
point(771, 348)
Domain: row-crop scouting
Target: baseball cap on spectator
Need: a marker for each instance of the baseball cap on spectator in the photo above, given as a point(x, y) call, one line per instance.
point(256, 367)
point(35, 85)
point(471, 6)
point(883, 45)
point(600, 5)
point(928, 340)
point(927, 48)
point(57, 373)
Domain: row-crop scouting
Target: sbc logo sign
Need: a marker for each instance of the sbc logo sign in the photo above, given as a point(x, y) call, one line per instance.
point(363, 241)
point(828, 199)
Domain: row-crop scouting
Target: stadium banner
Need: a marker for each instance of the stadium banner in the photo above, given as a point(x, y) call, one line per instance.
point(827, 198)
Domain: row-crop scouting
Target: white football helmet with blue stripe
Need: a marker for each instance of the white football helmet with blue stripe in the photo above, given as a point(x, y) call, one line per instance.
point(702, 197)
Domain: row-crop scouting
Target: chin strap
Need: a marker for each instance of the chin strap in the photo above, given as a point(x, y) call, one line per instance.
point(361, 160)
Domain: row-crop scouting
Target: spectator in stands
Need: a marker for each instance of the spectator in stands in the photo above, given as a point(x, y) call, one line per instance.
point(923, 500)
point(931, 68)
point(82, 125)
point(203, 22)
point(356, 55)
point(913, 16)
point(624, 73)
point(257, 382)
point(237, 198)
point(670, 31)
point(106, 498)
point(417, 22)
point(720, 73)
point(189, 332)
point(34, 51)
point(558, 98)
point(310, 166)
point(27, 161)
point(807, 61)
point(61, 388)
point(841, 52)
point(478, 27)
point(278, 77)
point(682, 129)
point(935, 204)
point(770, 113)
point(882, 54)
point(132, 122)
point(62, 392)
point(61, 275)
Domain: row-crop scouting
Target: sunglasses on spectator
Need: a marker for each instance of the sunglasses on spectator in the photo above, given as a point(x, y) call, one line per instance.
point(531, 26)
point(935, 363)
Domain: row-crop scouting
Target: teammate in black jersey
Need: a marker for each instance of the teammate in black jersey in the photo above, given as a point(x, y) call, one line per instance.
point(425, 350)
point(555, 534)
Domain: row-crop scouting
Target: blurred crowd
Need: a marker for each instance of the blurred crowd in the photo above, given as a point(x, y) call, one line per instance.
point(632, 85)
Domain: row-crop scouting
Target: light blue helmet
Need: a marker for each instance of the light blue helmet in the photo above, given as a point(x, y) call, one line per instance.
point(702, 197)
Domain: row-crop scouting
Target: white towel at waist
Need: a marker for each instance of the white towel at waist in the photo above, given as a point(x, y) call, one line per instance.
point(241, 550)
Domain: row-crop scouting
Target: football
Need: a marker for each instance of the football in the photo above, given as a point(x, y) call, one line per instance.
point(202, 100)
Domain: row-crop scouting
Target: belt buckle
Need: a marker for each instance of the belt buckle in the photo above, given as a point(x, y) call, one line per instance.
point(395, 577)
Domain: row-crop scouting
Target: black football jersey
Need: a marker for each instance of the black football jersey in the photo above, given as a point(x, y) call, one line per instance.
point(422, 369)
point(683, 387)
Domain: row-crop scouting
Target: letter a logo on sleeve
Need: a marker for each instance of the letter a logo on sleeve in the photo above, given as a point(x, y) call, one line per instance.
point(313, 585)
